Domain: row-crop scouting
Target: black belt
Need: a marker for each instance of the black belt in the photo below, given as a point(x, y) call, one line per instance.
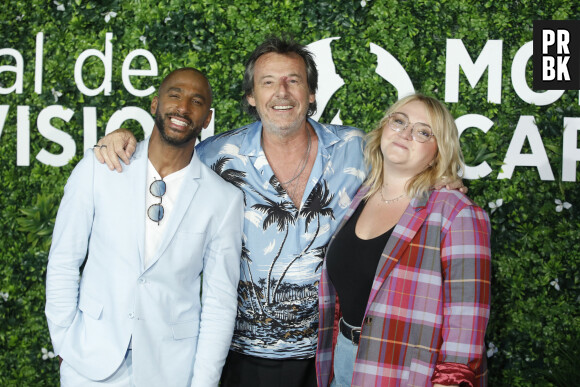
point(353, 334)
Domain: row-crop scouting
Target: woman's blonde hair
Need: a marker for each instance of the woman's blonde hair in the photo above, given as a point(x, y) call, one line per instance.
point(448, 161)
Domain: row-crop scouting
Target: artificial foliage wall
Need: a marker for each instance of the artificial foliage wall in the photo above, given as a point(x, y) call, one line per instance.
point(70, 69)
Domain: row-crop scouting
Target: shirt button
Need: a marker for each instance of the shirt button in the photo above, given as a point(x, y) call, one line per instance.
point(131, 315)
point(142, 280)
point(368, 321)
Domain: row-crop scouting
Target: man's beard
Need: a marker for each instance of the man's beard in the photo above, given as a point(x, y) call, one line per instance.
point(282, 129)
point(160, 124)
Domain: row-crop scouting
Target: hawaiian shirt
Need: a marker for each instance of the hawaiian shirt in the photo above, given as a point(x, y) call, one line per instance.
point(284, 246)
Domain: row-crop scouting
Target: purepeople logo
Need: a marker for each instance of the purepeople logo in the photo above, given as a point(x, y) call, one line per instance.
point(556, 58)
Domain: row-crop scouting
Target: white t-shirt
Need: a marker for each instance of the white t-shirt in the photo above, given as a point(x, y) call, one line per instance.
point(153, 230)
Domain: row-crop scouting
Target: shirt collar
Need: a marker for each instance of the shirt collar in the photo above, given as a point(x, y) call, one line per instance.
point(419, 202)
point(251, 144)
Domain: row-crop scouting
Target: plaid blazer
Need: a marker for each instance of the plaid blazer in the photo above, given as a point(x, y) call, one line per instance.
point(428, 308)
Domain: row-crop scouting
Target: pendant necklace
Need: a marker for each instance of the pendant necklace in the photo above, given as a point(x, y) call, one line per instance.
point(303, 163)
point(290, 186)
point(389, 201)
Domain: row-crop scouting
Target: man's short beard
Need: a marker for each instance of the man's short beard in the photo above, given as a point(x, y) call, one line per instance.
point(160, 124)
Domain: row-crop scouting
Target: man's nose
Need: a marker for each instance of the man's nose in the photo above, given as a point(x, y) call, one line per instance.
point(282, 86)
point(184, 106)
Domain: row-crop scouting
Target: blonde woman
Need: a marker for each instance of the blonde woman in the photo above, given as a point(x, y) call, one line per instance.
point(405, 289)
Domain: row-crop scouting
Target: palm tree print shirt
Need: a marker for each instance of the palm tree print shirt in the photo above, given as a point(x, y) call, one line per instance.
point(283, 245)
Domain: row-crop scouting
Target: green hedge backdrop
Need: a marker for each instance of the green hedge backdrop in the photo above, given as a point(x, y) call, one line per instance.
point(534, 330)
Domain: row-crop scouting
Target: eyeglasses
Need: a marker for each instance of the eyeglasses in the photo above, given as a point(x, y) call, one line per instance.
point(155, 212)
point(419, 131)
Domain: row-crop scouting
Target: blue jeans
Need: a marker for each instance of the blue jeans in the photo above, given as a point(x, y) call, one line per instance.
point(344, 358)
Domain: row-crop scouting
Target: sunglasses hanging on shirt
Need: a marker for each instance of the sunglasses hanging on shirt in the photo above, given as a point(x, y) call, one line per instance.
point(156, 211)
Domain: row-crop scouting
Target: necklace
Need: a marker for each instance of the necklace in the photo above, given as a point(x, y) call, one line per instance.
point(301, 166)
point(389, 201)
point(304, 161)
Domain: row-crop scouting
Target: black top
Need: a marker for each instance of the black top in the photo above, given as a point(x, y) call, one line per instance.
point(351, 263)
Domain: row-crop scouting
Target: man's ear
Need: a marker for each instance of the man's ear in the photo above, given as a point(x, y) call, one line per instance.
point(251, 100)
point(154, 103)
point(208, 119)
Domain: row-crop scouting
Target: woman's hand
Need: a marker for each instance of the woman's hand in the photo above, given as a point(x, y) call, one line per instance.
point(118, 144)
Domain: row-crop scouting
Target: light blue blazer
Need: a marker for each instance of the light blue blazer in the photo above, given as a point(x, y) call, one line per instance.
point(175, 340)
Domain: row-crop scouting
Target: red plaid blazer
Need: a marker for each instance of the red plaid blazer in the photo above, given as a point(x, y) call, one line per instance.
point(428, 308)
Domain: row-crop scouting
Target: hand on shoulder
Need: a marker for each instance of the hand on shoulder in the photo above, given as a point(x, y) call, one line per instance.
point(452, 186)
point(120, 144)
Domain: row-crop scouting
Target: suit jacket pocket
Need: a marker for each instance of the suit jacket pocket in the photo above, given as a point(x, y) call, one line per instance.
point(194, 240)
point(190, 234)
point(90, 306)
point(185, 329)
point(185, 251)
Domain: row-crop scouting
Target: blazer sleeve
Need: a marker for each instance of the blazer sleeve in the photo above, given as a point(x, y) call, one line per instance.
point(466, 271)
point(221, 275)
point(68, 250)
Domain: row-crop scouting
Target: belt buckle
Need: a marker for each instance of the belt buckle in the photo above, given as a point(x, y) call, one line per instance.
point(352, 332)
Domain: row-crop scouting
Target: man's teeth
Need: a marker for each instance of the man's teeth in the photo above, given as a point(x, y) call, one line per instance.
point(178, 122)
point(285, 107)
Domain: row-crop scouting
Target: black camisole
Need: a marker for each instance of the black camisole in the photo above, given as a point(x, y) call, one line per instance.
point(351, 263)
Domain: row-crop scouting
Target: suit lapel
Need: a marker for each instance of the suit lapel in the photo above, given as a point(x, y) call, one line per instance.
point(138, 188)
point(188, 189)
point(403, 233)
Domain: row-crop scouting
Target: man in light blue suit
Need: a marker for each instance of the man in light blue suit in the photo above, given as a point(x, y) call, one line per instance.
point(135, 317)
